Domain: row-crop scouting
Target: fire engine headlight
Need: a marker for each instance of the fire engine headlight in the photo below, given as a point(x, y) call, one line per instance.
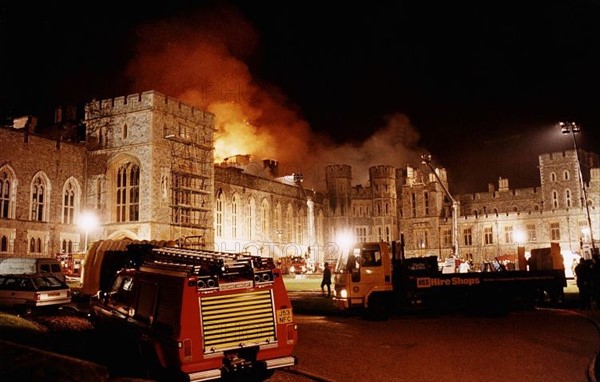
point(343, 293)
point(292, 269)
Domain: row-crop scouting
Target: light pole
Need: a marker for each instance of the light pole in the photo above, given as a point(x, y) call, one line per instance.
point(88, 221)
point(572, 128)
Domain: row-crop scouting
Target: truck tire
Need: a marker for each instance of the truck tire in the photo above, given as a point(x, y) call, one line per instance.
point(379, 308)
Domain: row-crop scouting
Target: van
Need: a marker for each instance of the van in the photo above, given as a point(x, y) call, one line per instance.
point(30, 265)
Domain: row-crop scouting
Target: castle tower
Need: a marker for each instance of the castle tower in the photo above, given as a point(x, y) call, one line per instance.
point(385, 217)
point(338, 181)
point(150, 167)
point(561, 185)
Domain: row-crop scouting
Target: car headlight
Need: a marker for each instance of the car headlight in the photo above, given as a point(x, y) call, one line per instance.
point(343, 293)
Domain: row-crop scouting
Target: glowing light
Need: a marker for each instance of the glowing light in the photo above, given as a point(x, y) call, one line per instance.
point(519, 236)
point(87, 221)
point(345, 240)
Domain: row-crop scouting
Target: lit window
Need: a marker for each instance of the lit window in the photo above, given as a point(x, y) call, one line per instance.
point(531, 233)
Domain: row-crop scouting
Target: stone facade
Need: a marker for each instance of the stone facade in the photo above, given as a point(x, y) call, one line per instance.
point(495, 222)
point(146, 170)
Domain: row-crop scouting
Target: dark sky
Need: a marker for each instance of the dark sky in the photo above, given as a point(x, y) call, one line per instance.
point(483, 83)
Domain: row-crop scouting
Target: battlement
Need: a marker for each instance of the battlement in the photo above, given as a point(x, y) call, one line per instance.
point(382, 171)
point(146, 101)
point(556, 157)
point(360, 192)
point(338, 171)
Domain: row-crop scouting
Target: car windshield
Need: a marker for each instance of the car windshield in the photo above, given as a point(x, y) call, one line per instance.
point(47, 282)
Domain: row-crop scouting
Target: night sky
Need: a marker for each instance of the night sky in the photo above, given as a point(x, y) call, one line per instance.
point(482, 85)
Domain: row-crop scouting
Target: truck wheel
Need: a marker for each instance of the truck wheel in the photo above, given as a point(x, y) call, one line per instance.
point(378, 309)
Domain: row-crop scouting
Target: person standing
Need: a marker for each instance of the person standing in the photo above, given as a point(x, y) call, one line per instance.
point(583, 273)
point(326, 281)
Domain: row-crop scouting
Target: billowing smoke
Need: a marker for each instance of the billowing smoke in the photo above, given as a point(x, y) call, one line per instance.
point(201, 60)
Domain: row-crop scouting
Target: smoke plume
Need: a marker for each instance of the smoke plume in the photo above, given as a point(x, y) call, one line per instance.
point(201, 59)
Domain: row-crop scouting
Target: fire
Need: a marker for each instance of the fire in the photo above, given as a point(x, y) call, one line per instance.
point(236, 135)
point(200, 60)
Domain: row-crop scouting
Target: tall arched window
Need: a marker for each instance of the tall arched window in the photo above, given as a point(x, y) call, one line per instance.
point(300, 224)
point(39, 192)
point(568, 198)
point(235, 207)
point(289, 223)
point(128, 192)
point(554, 199)
point(7, 185)
point(35, 245)
point(67, 246)
point(277, 223)
point(69, 195)
point(219, 214)
point(566, 175)
point(250, 219)
point(265, 221)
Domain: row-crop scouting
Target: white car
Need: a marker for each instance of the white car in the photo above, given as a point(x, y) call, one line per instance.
point(32, 291)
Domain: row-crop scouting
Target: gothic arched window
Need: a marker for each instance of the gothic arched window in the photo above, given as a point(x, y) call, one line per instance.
point(128, 192)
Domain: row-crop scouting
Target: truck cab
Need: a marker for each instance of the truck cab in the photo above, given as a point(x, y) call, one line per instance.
point(363, 276)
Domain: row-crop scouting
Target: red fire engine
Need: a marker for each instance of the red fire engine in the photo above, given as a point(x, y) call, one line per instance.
point(199, 315)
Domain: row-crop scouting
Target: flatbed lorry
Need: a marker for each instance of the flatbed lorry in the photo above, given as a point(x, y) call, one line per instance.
point(377, 279)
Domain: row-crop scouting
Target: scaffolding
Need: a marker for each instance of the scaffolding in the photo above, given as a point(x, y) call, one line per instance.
point(191, 196)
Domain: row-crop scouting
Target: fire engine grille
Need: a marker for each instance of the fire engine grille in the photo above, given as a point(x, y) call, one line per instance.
point(237, 320)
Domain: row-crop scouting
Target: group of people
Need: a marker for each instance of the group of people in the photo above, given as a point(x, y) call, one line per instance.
point(587, 274)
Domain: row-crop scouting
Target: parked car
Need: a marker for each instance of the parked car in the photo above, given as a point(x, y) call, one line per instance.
point(30, 291)
point(20, 265)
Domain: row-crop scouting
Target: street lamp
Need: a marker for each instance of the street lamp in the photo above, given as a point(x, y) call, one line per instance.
point(519, 238)
point(88, 221)
point(572, 128)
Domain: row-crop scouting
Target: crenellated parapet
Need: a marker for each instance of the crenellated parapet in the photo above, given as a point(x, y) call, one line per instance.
point(149, 100)
point(338, 171)
point(382, 172)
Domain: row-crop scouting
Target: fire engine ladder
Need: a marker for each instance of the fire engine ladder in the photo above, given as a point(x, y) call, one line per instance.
point(212, 266)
